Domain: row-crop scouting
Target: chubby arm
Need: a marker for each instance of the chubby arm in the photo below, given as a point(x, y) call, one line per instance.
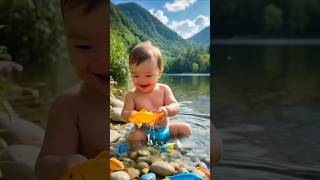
point(60, 149)
point(128, 107)
point(171, 105)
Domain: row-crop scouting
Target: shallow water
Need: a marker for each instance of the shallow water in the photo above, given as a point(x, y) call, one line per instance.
point(267, 110)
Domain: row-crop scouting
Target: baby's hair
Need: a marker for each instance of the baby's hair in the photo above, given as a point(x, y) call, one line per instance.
point(90, 5)
point(145, 51)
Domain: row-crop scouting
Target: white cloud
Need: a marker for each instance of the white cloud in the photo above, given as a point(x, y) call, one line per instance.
point(187, 28)
point(178, 5)
point(159, 14)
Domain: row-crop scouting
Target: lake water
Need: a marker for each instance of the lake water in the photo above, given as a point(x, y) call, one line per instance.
point(50, 80)
point(266, 104)
point(267, 111)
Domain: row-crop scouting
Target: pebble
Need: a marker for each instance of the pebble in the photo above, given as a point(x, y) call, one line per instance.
point(142, 165)
point(149, 160)
point(133, 155)
point(133, 172)
point(144, 159)
point(144, 153)
point(162, 168)
point(119, 175)
point(114, 135)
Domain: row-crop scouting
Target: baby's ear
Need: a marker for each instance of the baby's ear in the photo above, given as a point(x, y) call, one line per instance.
point(161, 71)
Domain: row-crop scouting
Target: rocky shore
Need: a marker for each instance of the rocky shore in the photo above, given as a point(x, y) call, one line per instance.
point(149, 159)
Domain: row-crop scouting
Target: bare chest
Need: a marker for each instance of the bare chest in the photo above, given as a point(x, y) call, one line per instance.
point(149, 101)
point(93, 129)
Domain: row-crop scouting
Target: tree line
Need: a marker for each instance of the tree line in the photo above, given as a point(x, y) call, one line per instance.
point(265, 19)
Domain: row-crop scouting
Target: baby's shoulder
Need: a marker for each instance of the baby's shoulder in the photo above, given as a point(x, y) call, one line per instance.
point(163, 86)
point(131, 92)
point(67, 100)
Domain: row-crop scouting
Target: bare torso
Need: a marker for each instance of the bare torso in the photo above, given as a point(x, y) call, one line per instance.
point(150, 101)
point(92, 122)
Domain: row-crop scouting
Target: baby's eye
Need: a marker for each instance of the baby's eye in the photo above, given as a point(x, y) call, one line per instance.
point(135, 76)
point(84, 47)
point(149, 75)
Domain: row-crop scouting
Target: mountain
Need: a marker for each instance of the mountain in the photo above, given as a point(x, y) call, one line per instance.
point(202, 37)
point(168, 41)
point(124, 27)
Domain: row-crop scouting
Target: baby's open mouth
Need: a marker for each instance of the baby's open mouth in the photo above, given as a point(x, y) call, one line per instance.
point(144, 86)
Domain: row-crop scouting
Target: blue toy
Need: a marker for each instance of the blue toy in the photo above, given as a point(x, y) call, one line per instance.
point(149, 176)
point(184, 176)
point(123, 148)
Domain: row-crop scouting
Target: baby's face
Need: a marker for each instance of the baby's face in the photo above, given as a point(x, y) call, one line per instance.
point(146, 75)
point(87, 43)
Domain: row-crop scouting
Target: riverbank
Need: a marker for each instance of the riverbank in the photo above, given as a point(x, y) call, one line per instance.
point(267, 41)
point(149, 159)
point(20, 139)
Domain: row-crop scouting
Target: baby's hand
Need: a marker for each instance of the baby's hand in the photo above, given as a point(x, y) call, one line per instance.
point(163, 118)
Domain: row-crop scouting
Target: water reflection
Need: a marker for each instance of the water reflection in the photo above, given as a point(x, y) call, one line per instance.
point(267, 107)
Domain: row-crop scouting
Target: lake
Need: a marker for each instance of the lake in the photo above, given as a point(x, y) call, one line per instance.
point(267, 110)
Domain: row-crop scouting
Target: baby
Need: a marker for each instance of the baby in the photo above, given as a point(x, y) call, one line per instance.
point(77, 122)
point(146, 67)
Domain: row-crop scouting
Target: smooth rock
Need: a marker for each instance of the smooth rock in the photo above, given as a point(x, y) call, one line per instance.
point(143, 152)
point(119, 175)
point(116, 102)
point(20, 131)
point(24, 154)
point(16, 171)
point(133, 155)
point(176, 155)
point(116, 115)
point(114, 135)
point(126, 159)
point(162, 168)
point(144, 159)
point(142, 165)
point(133, 173)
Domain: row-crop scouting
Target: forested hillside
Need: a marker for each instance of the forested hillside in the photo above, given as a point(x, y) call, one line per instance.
point(130, 24)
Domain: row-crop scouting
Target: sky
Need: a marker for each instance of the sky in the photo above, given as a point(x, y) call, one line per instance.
point(186, 17)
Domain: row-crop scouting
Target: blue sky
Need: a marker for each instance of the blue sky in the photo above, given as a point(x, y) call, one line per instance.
point(186, 17)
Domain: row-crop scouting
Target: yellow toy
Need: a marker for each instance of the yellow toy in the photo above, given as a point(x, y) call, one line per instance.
point(92, 169)
point(144, 116)
point(204, 170)
point(115, 165)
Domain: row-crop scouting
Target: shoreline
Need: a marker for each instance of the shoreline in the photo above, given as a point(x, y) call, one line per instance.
point(267, 41)
point(186, 74)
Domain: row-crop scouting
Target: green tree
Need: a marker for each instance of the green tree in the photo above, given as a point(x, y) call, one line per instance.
point(119, 68)
point(195, 67)
point(273, 20)
point(33, 29)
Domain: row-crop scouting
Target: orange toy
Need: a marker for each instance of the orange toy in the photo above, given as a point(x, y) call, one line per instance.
point(115, 165)
point(204, 170)
point(144, 116)
point(92, 169)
